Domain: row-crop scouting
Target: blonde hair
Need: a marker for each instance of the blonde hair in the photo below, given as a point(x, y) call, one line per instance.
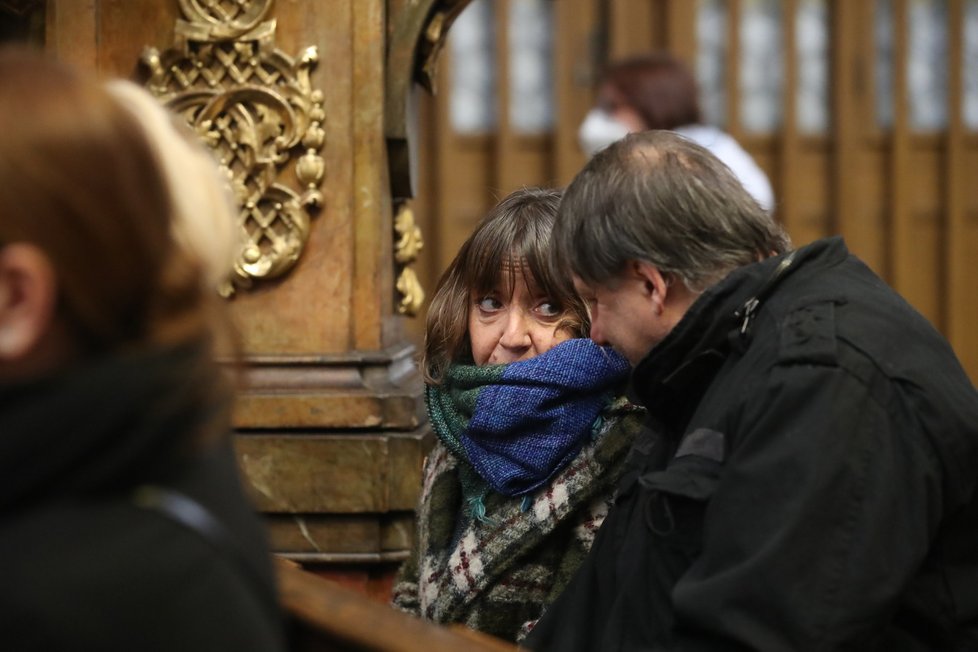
point(203, 220)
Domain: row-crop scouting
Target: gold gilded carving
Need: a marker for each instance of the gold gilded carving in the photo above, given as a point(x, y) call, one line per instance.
point(256, 108)
point(409, 242)
point(412, 294)
point(406, 249)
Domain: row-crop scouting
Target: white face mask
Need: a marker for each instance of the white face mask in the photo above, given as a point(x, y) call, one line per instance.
point(599, 130)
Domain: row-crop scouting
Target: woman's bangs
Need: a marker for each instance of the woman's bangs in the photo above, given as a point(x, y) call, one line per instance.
point(487, 259)
point(541, 276)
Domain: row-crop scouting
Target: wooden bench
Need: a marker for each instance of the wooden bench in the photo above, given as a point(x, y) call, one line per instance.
point(323, 615)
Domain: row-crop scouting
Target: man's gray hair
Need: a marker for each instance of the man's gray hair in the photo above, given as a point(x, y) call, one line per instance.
point(658, 197)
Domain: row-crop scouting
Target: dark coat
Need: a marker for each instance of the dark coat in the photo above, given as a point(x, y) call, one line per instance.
point(84, 564)
point(813, 486)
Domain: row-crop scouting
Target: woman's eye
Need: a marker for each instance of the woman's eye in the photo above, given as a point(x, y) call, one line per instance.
point(548, 309)
point(489, 304)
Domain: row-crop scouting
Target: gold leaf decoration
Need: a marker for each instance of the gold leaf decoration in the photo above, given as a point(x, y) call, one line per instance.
point(256, 108)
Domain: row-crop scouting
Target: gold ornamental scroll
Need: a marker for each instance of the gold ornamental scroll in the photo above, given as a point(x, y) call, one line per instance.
point(255, 107)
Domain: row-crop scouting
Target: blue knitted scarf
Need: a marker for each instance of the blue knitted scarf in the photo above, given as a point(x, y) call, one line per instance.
point(516, 425)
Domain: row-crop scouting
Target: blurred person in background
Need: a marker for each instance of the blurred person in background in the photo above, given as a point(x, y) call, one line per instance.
point(123, 525)
point(657, 91)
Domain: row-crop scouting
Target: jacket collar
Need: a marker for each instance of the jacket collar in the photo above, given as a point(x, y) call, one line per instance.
point(672, 378)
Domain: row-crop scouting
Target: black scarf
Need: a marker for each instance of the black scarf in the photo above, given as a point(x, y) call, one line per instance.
point(104, 426)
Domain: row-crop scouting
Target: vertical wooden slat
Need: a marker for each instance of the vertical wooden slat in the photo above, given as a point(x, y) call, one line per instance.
point(734, 126)
point(899, 146)
point(372, 299)
point(844, 62)
point(521, 159)
point(788, 150)
point(503, 142)
point(858, 213)
point(630, 26)
point(680, 26)
point(916, 202)
point(464, 170)
point(960, 309)
point(575, 72)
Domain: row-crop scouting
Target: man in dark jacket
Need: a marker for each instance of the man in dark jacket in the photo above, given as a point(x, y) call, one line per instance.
point(809, 482)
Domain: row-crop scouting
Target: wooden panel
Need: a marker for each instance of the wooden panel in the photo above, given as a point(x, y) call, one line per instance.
point(858, 164)
point(962, 323)
point(317, 409)
point(732, 65)
point(679, 24)
point(120, 56)
point(631, 27)
point(71, 32)
point(373, 327)
point(919, 242)
point(789, 180)
point(765, 149)
point(865, 218)
point(342, 538)
point(468, 191)
point(331, 473)
point(576, 61)
point(520, 159)
point(961, 195)
point(523, 161)
point(810, 192)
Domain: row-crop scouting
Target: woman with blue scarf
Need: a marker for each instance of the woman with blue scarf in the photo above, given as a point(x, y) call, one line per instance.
point(532, 430)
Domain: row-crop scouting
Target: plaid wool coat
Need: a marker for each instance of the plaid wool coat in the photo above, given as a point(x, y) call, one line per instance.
point(498, 575)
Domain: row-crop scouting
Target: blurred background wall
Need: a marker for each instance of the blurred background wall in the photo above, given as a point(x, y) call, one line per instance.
point(863, 113)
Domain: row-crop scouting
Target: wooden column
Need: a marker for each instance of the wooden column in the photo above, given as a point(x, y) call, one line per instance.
point(330, 421)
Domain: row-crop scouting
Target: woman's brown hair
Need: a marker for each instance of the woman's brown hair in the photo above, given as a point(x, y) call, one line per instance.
point(515, 234)
point(659, 87)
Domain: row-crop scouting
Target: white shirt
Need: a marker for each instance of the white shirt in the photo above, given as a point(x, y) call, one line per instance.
point(724, 147)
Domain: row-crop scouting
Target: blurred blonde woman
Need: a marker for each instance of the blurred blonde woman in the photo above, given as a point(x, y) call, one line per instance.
point(122, 521)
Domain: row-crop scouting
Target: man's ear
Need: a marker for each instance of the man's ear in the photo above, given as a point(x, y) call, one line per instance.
point(654, 284)
point(28, 293)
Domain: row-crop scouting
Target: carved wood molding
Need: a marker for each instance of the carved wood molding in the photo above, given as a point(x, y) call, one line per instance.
point(416, 34)
point(255, 107)
point(19, 7)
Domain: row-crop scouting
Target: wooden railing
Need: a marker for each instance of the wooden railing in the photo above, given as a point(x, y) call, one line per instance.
point(323, 615)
